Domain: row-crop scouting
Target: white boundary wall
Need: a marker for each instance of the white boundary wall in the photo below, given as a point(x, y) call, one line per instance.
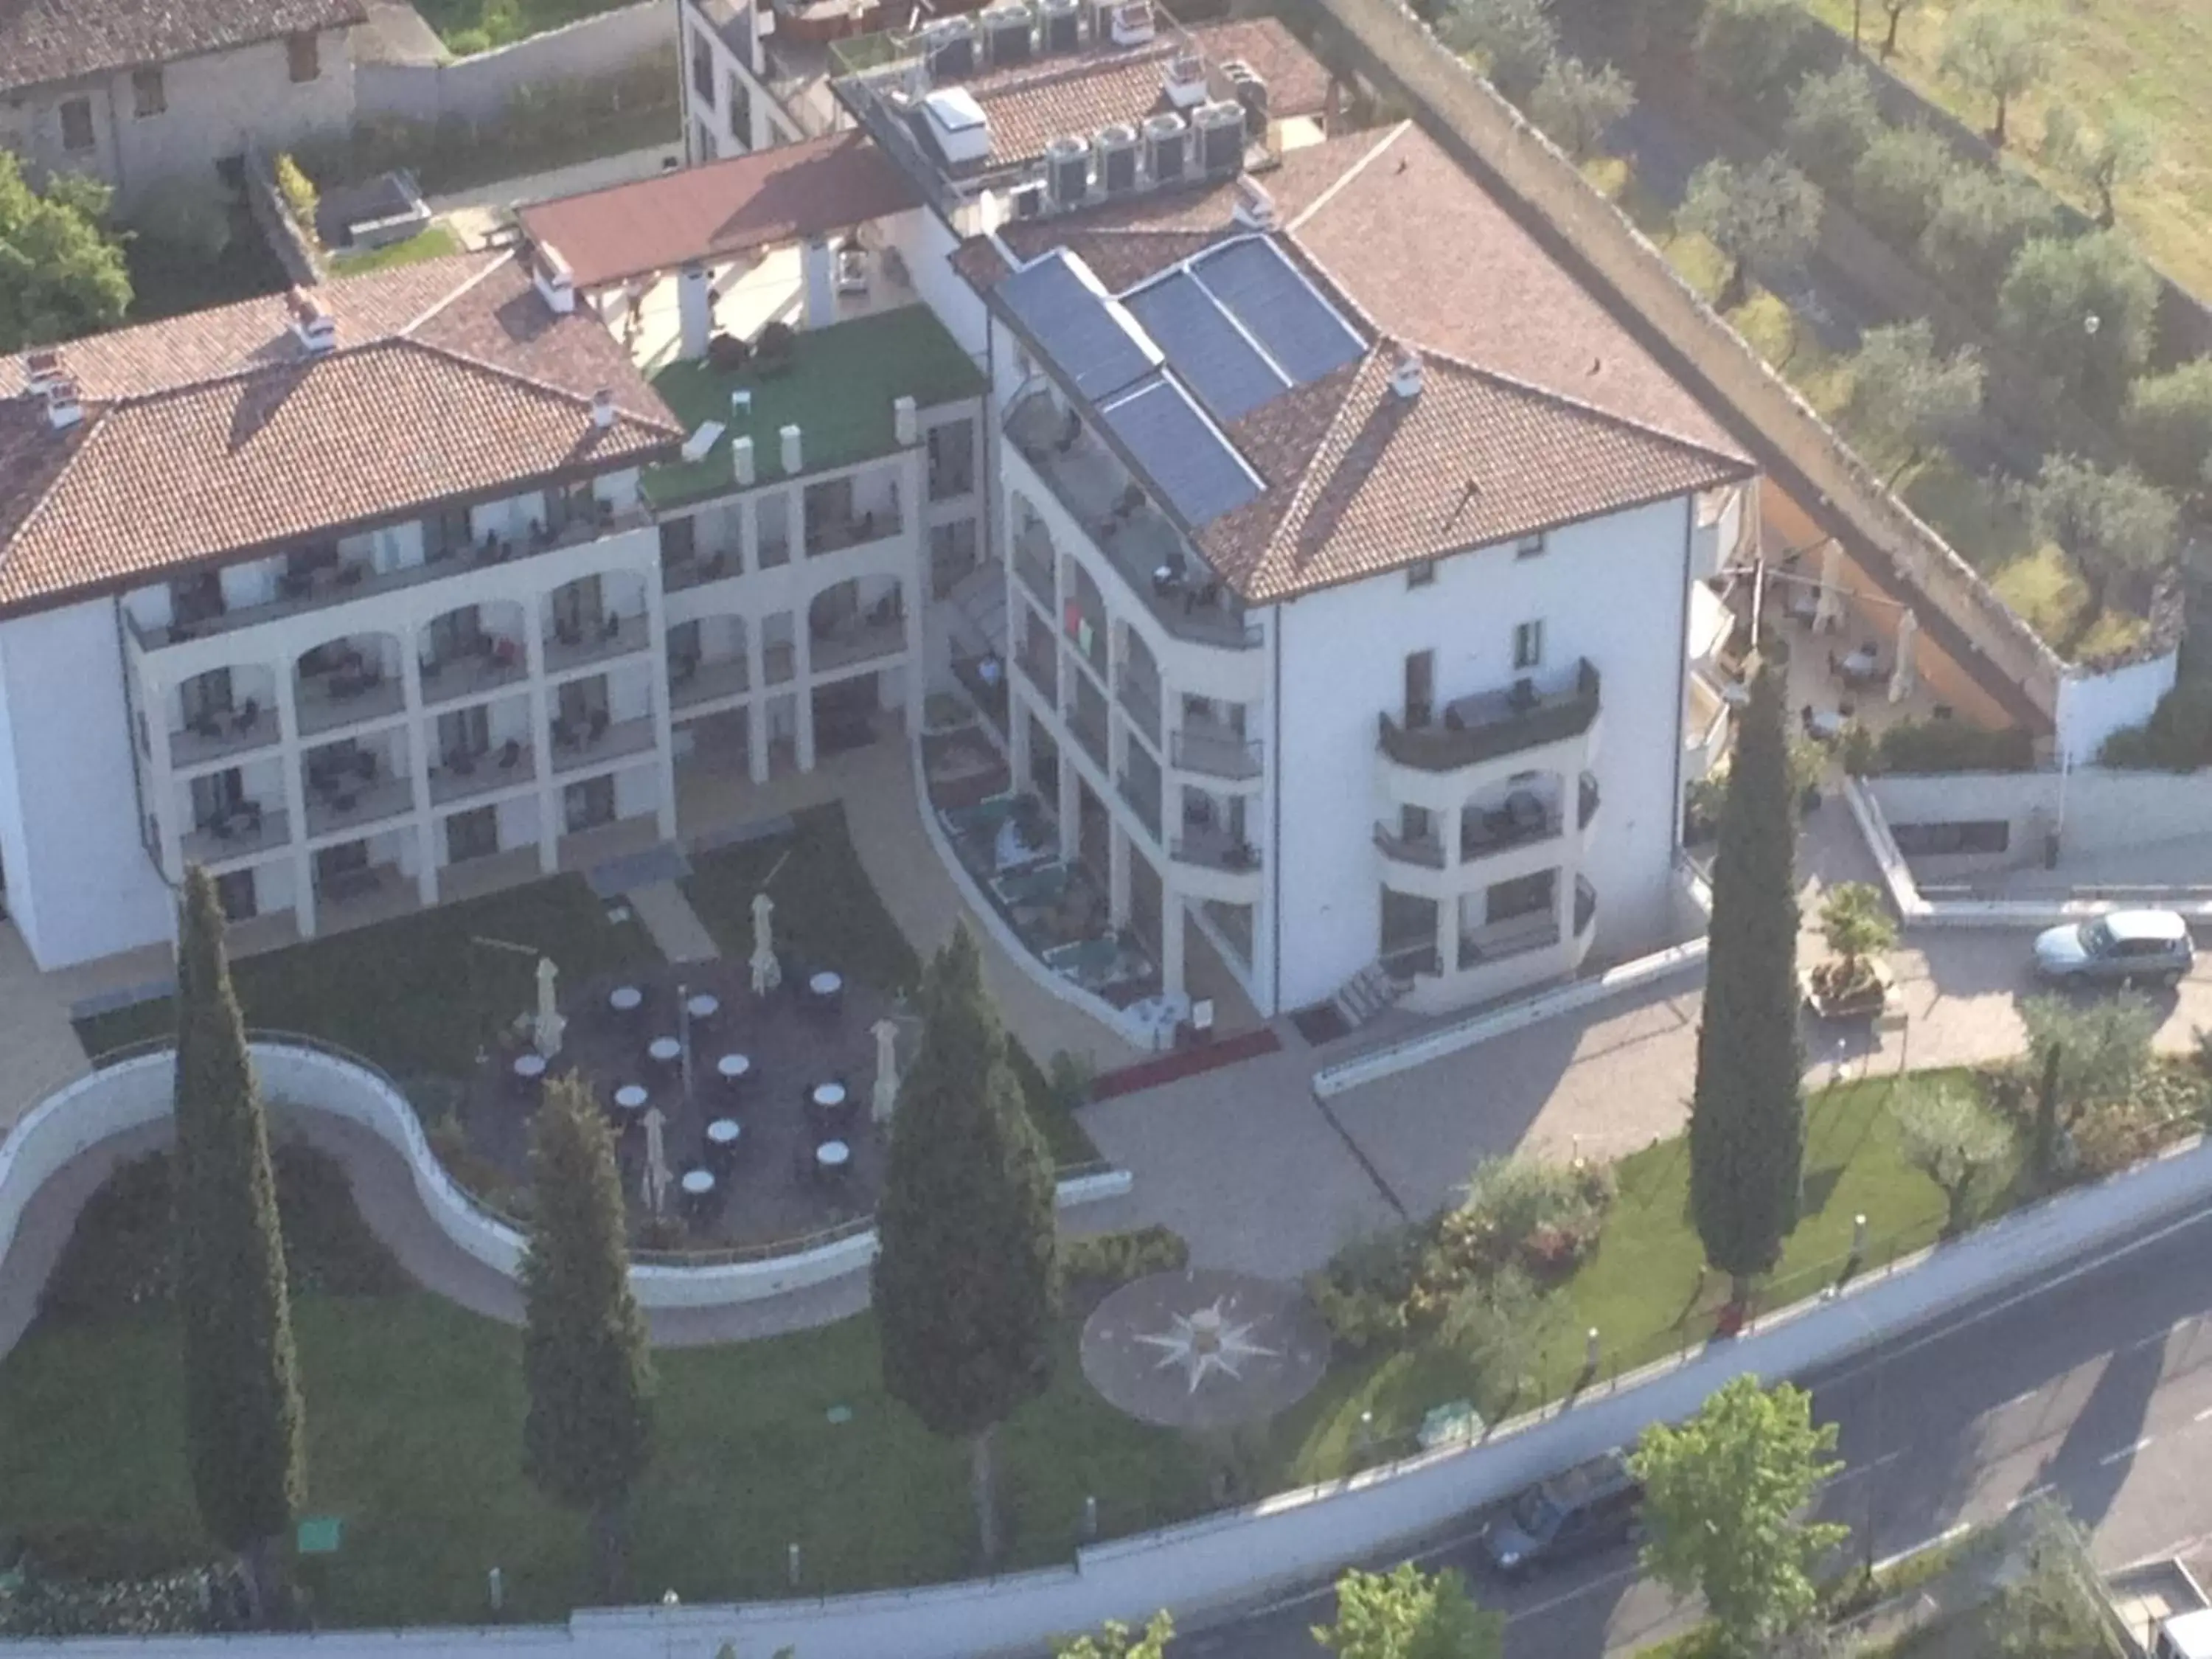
point(136, 1091)
point(1300, 1537)
point(478, 88)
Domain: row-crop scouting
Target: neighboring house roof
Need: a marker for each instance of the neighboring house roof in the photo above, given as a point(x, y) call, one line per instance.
point(721, 208)
point(1362, 480)
point(220, 432)
point(47, 40)
point(1031, 103)
point(1538, 406)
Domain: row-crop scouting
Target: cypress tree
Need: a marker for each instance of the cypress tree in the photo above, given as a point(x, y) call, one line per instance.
point(588, 1433)
point(966, 1274)
point(244, 1429)
point(1747, 1117)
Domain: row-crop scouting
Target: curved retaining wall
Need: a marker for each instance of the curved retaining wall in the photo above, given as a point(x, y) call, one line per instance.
point(135, 1092)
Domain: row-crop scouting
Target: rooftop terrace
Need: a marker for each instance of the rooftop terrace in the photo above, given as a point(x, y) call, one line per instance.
point(837, 387)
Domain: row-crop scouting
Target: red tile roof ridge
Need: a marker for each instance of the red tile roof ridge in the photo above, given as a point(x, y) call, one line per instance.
point(474, 280)
point(1390, 136)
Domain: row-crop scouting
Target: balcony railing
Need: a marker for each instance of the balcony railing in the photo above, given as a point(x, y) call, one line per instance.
point(856, 641)
point(496, 662)
point(340, 590)
point(699, 568)
point(574, 749)
point(1144, 802)
point(1482, 728)
point(325, 702)
point(1410, 959)
point(351, 807)
point(1154, 562)
point(1141, 698)
point(245, 831)
point(1425, 850)
point(1537, 930)
point(1215, 849)
point(220, 735)
point(1033, 563)
point(613, 635)
point(499, 767)
point(833, 536)
point(984, 678)
point(1217, 751)
point(1482, 833)
point(692, 681)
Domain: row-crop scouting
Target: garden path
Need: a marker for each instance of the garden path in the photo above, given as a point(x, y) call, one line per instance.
point(39, 1049)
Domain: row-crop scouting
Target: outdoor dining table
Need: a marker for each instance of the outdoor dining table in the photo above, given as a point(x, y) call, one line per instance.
point(833, 1154)
point(529, 1069)
point(698, 1183)
point(664, 1051)
point(631, 1097)
point(828, 1096)
point(736, 1071)
point(625, 999)
point(826, 984)
point(724, 1132)
point(703, 1007)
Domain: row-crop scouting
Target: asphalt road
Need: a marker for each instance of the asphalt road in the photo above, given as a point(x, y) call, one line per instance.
point(2094, 1383)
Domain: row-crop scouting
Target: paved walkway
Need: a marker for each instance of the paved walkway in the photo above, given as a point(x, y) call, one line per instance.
point(39, 1049)
point(674, 926)
point(1261, 1178)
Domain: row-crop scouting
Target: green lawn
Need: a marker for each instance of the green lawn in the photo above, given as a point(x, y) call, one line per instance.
point(1643, 1287)
point(414, 995)
point(2155, 56)
point(431, 243)
point(414, 1419)
point(837, 390)
point(501, 23)
point(827, 914)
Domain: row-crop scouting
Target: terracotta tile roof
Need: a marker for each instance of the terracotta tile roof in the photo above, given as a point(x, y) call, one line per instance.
point(721, 208)
point(1030, 105)
point(206, 436)
point(1433, 258)
point(45, 40)
point(1362, 480)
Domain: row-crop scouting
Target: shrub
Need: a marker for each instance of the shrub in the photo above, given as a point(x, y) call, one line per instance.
point(190, 1603)
point(1109, 1259)
point(1982, 219)
point(2169, 426)
point(467, 43)
point(299, 193)
point(1361, 1294)
point(1934, 745)
point(1833, 118)
point(1898, 180)
point(1748, 47)
point(2053, 289)
point(1070, 1079)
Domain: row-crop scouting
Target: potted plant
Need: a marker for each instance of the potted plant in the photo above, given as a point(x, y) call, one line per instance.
point(1854, 980)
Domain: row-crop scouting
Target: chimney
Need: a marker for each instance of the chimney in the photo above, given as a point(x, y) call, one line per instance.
point(906, 421)
point(1255, 208)
point(64, 410)
point(741, 461)
point(791, 463)
point(43, 368)
point(1405, 379)
point(316, 329)
point(695, 312)
point(603, 407)
point(556, 285)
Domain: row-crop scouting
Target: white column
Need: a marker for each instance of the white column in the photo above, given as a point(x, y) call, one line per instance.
point(1018, 727)
point(1448, 935)
point(1071, 799)
point(755, 707)
point(802, 708)
point(821, 288)
point(290, 754)
point(422, 738)
point(1172, 923)
point(664, 707)
point(541, 734)
point(1117, 876)
point(1449, 828)
point(695, 311)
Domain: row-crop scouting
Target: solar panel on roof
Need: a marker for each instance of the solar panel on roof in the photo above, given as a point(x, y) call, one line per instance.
point(1226, 370)
point(1264, 291)
point(1179, 450)
point(1088, 336)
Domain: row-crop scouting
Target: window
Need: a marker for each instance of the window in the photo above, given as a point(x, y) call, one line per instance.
point(1526, 895)
point(952, 554)
point(305, 55)
point(235, 892)
point(588, 804)
point(702, 70)
point(1528, 546)
point(473, 835)
point(1422, 573)
point(76, 123)
point(1420, 687)
point(464, 733)
point(445, 533)
point(951, 460)
point(741, 111)
point(1528, 645)
point(708, 150)
point(148, 97)
point(679, 542)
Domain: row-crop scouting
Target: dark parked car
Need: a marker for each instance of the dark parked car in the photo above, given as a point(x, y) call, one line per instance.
point(2125, 947)
point(1590, 1507)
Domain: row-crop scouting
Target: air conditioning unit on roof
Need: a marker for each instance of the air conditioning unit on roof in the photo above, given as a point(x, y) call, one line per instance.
point(1186, 80)
point(1132, 24)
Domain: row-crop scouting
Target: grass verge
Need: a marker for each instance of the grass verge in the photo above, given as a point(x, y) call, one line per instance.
point(433, 242)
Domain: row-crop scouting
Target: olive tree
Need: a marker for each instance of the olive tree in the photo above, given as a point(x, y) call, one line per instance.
point(1575, 104)
point(2084, 309)
point(1898, 178)
point(1993, 47)
point(1982, 218)
point(1515, 39)
point(2117, 527)
point(1833, 118)
point(1905, 396)
point(2117, 150)
point(2169, 426)
point(1769, 215)
point(1946, 1133)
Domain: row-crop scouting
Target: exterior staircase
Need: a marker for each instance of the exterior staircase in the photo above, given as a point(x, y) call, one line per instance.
point(1365, 994)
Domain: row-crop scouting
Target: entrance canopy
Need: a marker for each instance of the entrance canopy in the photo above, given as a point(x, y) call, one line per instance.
point(721, 210)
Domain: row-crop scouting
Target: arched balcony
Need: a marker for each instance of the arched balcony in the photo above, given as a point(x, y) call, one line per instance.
point(707, 662)
point(592, 618)
point(856, 621)
point(347, 680)
point(472, 650)
point(221, 712)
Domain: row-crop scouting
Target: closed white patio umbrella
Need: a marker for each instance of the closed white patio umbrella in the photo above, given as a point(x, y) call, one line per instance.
point(1903, 678)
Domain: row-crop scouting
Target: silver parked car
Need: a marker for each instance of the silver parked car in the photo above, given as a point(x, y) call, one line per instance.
point(2128, 947)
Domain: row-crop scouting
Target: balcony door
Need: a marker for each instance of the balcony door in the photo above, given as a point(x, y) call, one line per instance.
point(588, 804)
point(216, 795)
point(1420, 687)
point(457, 633)
point(465, 732)
point(206, 696)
